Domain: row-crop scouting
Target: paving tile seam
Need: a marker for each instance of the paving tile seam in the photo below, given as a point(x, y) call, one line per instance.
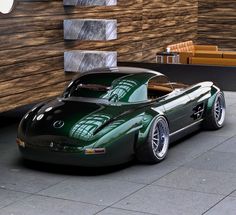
point(233, 137)
point(231, 153)
point(69, 200)
point(189, 190)
point(135, 211)
point(52, 185)
point(218, 135)
point(127, 180)
point(211, 149)
point(16, 191)
point(153, 181)
point(130, 194)
point(218, 202)
point(177, 167)
point(27, 196)
point(130, 210)
point(233, 195)
point(142, 183)
point(19, 200)
point(229, 136)
point(181, 165)
point(32, 195)
point(190, 160)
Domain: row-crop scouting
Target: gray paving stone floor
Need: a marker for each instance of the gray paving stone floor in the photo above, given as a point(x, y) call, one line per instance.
point(198, 177)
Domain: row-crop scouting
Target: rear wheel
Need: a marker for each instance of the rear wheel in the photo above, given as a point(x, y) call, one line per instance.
point(216, 117)
point(156, 147)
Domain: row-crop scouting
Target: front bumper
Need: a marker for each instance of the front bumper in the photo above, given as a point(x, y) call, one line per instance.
point(116, 153)
point(67, 158)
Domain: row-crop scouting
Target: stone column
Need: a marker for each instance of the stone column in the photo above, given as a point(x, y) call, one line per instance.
point(90, 29)
point(90, 2)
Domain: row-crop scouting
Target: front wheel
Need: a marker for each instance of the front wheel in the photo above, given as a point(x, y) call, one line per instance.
point(216, 117)
point(156, 147)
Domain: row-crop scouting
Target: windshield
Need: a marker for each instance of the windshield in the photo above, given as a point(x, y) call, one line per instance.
point(113, 87)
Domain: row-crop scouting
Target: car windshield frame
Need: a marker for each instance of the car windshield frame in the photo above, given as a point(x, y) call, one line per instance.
point(133, 88)
point(95, 87)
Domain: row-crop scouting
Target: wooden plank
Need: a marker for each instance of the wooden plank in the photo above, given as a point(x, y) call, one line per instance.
point(217, 23)
point(167, 4)
point(21, 85)
point(30, 68)
point(31, 96)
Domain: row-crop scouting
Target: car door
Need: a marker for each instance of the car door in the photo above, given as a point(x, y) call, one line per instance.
point(174, 102)
point(177, 109)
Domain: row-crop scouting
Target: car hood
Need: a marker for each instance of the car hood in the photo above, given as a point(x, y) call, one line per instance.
point(73, 119)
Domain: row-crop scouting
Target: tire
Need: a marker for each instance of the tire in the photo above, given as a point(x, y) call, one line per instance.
point(156, 147)
point(216, 116)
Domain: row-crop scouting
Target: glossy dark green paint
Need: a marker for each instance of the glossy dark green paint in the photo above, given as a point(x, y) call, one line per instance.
point(119, 126)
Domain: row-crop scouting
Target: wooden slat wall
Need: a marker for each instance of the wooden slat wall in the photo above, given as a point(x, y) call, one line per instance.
point(217, 23)
point(32, 44)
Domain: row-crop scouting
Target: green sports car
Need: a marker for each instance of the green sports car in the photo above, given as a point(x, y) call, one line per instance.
point(109, 116)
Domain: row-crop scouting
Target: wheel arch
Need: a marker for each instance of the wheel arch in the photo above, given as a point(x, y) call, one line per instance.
point(214, 91)
point(143, 133)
